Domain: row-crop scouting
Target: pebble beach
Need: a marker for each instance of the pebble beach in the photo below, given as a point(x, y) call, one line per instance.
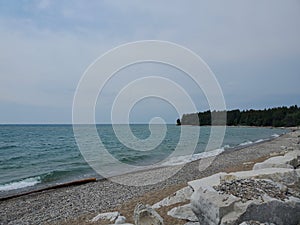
point(68, 205)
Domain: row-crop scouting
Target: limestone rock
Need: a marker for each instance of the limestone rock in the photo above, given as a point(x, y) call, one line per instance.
point(210, 206)
point(207, 181)
point(274, 162)
point(120, 220)
point(192, 223)
point(181, 195)
point(183, 212)
point(145, 215)
point(289, 160)
point(294, 157)
point(274, 211)
point(111, 216)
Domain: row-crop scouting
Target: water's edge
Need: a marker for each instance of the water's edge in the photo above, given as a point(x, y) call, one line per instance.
point(30, 190)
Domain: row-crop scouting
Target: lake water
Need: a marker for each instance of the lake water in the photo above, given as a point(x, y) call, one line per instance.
point(35, 156)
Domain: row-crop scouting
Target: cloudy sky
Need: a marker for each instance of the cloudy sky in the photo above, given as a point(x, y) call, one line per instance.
point(252, 47)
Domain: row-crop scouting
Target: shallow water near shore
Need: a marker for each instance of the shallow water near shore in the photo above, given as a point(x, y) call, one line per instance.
point(37, 156)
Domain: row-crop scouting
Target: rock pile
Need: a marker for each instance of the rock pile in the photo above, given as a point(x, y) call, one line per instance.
point(267, 195)
point(250, 189)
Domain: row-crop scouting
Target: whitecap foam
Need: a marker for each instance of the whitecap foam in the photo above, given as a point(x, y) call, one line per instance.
point(275, 135)
point(20, 184)
point(179, 160)
point(246, 143)
point(260, 140)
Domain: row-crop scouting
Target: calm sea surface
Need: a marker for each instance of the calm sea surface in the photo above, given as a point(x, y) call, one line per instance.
point(35, 156)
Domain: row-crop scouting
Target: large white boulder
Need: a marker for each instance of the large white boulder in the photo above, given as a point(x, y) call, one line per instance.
point(207, 181)
point(120, 220)
point(210, 207)
point(289, 160)
point(181, 195)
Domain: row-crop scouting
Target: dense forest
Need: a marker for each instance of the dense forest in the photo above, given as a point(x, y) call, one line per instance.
point(276, 117)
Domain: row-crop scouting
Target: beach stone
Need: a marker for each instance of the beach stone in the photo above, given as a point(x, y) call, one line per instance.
point(183, 212)
point(289, 160)
point(248, 163)
point(283, 147)
point(192, 223)
point(111, 216)
point(120, 220)
point(145, 215)
point(181, 195)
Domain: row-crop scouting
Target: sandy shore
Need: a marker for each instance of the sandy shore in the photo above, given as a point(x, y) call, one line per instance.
point(76, 204)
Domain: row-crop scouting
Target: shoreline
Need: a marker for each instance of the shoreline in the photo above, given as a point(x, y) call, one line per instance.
point(82, 201)
point(30, 190)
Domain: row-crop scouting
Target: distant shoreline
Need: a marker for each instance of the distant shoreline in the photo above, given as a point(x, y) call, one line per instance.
point(274, 117)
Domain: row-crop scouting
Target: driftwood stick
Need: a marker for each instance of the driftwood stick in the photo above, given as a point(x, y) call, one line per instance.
point(72, 183)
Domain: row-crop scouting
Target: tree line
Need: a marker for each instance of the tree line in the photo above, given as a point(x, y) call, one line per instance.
point(275, 117)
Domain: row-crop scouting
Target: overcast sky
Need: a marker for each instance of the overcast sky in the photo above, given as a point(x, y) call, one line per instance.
point(252, 47)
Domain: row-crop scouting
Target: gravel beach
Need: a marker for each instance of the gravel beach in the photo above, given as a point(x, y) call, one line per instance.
point(64, 204)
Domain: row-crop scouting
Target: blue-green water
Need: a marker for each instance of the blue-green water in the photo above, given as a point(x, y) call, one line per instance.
point(34, 156)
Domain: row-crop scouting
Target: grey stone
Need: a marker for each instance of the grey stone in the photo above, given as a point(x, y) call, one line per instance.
point(294, 157)
point(111, 216)
point(275, 162)
point(243, 223)
point(181, 195)
point(209, 206)
point(183, 212)
point(207, 181)
point(274, 211)
point(289, 160)
point(120, 220)
point(145, 215)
